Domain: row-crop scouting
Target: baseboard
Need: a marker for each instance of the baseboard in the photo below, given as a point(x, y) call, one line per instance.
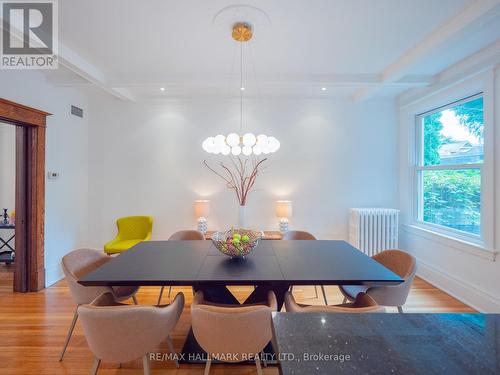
point(53, 274)
point(459, 289)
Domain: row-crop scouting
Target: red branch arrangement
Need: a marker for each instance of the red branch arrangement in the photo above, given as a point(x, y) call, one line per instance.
point(239, 177)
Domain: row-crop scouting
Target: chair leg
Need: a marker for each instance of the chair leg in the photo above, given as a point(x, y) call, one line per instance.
point(169, 291)
point(344, 300)
point(95, 366)
point(70, 332)
point(145, 365)
point(400, 309)
point(257, 364)
point(264, 359)
point(207, 366)
point(324, 294)
point(316, 291)
point(172, 350)
point(134, 298)
point(161, 293)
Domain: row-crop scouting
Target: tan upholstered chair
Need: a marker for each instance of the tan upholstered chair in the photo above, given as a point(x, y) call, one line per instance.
point(362, 304)
point(75, 265)
point(399, 262)
point(298, 235)
point(182, 235)
point(302, 235)
point(232, 331)
point(186, 235)
point(120, 333)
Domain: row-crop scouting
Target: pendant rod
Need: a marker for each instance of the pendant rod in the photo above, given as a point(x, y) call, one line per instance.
point(241, 88)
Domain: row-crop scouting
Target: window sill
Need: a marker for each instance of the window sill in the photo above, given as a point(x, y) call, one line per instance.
point(468, 247)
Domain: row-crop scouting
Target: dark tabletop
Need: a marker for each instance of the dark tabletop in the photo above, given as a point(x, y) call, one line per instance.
point(272, 262)
point(387, 343)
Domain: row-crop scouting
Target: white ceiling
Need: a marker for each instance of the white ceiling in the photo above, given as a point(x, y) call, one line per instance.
point(357, 48)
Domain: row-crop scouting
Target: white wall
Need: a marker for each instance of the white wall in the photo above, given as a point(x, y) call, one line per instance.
point(465, 271)
point(7, 166)
point(66, 211)
point(7, 174)
point(147, 159)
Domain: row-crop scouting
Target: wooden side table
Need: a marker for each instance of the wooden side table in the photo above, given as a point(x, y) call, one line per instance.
point(268, 235)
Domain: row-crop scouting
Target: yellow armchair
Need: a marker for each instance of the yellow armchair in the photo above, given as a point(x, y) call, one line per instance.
point(131, 231)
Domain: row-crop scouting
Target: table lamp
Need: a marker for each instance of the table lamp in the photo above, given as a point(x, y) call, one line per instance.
point(283, 211)
point(202, 211)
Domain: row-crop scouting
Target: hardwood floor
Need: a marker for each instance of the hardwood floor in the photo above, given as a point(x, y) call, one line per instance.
point(33, 327)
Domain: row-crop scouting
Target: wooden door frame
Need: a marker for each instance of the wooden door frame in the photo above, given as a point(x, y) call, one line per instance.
point(29, 271)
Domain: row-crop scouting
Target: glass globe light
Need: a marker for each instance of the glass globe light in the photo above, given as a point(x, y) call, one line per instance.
point(247, 150)
point(205, 145)
point(233, 139)
point(261, 139)
point(265, 149)
point(247, 145)
point(210, 145)
point(219, 140)
point(249, 139)
point(211, 148)
point(278, 145)
point(273, 144)
point(236, 150)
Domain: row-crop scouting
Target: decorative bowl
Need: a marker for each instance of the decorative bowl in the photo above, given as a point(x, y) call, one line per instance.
point(236, 243)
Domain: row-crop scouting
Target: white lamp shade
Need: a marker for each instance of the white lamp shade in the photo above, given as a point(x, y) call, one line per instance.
point(284, 209)
point(202, 208)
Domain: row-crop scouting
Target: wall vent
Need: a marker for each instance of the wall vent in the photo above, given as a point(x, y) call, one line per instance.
point(76, 111)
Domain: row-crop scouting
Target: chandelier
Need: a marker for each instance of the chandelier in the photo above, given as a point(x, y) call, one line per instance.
point(239, 143)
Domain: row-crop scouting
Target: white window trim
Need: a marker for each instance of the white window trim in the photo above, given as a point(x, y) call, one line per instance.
point(451, 241)
point(468, 242)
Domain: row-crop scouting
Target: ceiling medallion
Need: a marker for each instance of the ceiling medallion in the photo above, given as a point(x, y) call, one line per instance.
point(242, 32)
point(234, 143)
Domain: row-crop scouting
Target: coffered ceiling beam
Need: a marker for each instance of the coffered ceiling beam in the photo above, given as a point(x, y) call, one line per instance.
point(343, 80)
point(404, 63)
point(77, 64)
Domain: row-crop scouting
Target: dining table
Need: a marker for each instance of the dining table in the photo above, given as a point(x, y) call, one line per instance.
point(273, 265)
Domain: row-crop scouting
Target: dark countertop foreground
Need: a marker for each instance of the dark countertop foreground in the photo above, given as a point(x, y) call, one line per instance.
point(386, 343)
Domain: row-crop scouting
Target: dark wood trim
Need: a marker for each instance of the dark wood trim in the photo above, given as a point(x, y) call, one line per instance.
point(14, 113)
point(36, 208)
point(29, 275)
point(21, 271)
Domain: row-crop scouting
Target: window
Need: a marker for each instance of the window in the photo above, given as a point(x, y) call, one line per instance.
point(450, 154)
